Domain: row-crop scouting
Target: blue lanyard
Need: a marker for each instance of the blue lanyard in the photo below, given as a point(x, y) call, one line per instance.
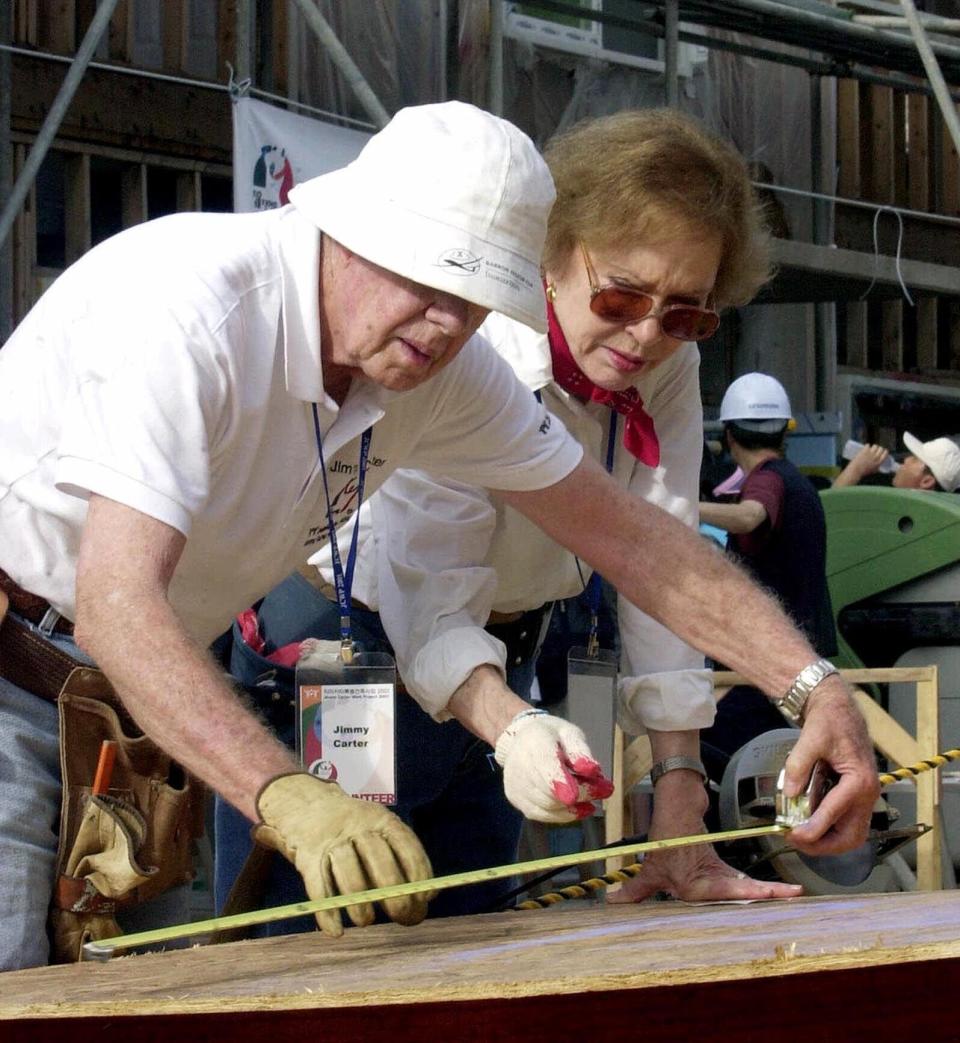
point(343, 580)
point(593, 587)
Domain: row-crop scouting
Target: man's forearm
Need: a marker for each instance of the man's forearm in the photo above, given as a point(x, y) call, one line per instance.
point(734, 517)
point(176, 694)
point(673, 575)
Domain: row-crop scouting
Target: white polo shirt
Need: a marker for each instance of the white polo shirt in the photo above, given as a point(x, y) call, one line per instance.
point(172, 369)
point(440, 555)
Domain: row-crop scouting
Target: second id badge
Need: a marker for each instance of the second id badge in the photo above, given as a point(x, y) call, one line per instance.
point(346, 720)
point(592, 699)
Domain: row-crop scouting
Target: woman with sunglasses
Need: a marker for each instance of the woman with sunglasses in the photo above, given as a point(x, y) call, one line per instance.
point(655, 229)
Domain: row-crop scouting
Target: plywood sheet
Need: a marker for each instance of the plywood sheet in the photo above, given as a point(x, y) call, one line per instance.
point(504, 956)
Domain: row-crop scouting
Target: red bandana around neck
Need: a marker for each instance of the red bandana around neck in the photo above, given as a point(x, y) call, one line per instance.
point(639, 435)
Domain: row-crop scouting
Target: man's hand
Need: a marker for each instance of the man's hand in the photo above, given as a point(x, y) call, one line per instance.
point(696, 873)
point(339, 845)
point(868, 461)
point(834, 731)
point(549, 772)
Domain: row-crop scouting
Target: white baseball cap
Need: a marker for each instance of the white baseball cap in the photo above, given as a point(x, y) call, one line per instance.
point(448, 196)
point(758, 401)
point(941, 456)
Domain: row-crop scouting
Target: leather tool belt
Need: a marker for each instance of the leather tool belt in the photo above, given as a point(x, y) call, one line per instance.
point(30, 606)
point(137, 839)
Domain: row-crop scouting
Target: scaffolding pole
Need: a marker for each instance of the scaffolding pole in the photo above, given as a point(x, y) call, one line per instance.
point(671, 48)
point(344, 63)
point(98, 26)
point(930, 63)
point(496, 58)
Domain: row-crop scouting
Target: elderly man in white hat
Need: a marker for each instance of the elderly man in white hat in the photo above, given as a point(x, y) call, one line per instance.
point(194, 405)
point(932, 466)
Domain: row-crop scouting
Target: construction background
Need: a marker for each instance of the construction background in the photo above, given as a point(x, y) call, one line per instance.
point(862, 324)
point(831, 104)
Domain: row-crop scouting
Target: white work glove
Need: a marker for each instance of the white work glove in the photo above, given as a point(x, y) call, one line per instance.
point(339, 845)
point(549, 772)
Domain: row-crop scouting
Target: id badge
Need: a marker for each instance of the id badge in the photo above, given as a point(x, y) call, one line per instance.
point(592, 700)
point(346, 720)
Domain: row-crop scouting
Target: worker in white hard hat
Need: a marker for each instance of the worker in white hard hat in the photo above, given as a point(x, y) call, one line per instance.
point(778, 532)
point(932, 466)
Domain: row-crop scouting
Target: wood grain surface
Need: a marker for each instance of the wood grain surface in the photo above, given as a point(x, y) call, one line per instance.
point(836, 962)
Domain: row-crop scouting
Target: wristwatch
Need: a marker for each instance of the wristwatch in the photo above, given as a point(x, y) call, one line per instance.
point(792, 704)
point(672, 763)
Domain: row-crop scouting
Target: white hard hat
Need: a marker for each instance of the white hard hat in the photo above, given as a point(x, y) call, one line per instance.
point(758, 401)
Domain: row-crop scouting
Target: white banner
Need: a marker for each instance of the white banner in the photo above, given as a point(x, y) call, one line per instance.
point(273, 149)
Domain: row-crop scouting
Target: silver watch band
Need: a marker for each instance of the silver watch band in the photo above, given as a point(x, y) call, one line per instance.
point(673, 763)
point(792, 703)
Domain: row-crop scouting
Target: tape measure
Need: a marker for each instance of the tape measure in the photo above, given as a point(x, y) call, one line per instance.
point(104, 949)
point(790, 813)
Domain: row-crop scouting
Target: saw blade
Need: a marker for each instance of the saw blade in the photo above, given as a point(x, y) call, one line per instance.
point(105, 948)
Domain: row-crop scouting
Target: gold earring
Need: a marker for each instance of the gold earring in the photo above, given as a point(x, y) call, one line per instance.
point(551, 292)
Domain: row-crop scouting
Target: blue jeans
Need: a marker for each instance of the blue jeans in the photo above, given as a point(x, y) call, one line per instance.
point(450, 791)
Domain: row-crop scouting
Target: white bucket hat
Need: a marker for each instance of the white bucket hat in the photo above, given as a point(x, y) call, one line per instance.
point(941, 455)
point(448, 196)
point(758, 401)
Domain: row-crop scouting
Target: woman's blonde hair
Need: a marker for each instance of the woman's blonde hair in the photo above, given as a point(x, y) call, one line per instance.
point(650, 174)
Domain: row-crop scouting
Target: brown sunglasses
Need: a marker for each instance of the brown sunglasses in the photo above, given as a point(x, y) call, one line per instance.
point(622, 305)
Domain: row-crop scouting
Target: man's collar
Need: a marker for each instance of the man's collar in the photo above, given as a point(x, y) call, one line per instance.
point(299, 245)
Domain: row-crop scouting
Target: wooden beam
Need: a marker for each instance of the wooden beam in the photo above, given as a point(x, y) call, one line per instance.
point(24, 244)
point(918, 152)
point(927, 333)
point(133, 199)
point(189, 195)
point(77, 205)
point(953, 335)
point(56, 26)
point(614, 807)
point(281, 44)
point(950, 176)
point(879, 164)
point(25, 28)
point(891, 336)
point(173, 38)
point(856, 334)
point(226, 34)
point(929, 788)
point(120, 33)
point(848, 138)
point(172, 119)
point(899, 148)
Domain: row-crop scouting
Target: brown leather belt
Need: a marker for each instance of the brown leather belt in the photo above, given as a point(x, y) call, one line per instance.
point(30, 662)
point(30, 606)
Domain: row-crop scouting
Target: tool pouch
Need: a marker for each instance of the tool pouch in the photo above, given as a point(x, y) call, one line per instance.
point(129, 846)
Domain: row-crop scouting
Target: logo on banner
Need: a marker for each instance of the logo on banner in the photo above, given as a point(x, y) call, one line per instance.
point(272, 178)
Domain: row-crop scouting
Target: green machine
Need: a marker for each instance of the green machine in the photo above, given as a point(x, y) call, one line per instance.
point(893, 568)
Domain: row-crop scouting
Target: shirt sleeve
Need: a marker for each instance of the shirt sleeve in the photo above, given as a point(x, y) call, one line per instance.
point(765, 487)
point(434, 590)
point(663, 683)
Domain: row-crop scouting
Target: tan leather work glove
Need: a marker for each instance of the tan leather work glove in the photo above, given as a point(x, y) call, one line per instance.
point(340, 844)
